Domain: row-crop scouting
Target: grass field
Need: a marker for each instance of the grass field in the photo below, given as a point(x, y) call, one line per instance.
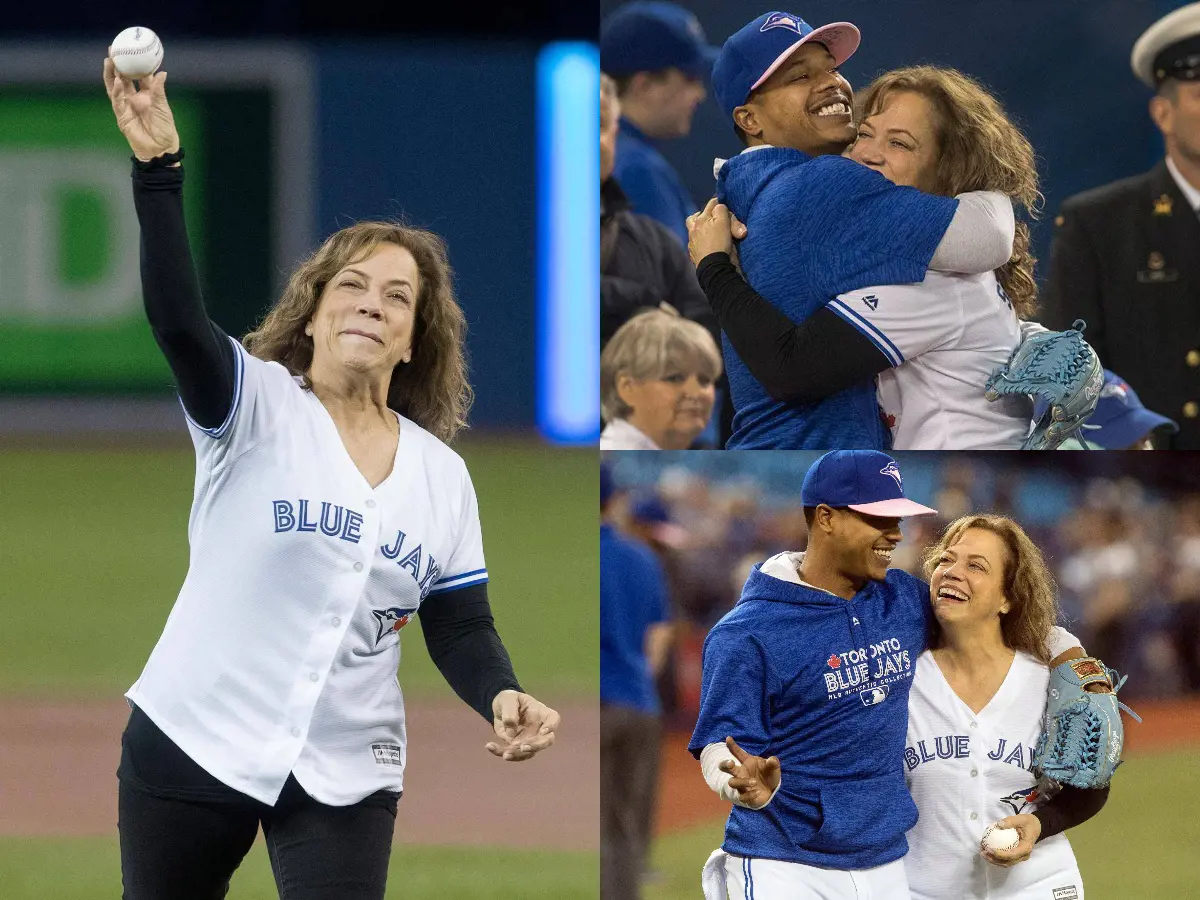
point(89, 870)
point(95, 549)
point(1142, 846)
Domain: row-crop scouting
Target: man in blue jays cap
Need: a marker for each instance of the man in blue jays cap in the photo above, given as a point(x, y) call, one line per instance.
point(1121, 422)
point(660, 59)
point(819, 224)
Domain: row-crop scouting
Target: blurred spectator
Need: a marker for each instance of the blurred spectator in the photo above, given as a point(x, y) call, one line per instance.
point(1120, 422)
point(635, 637)
point(641, 265)
point(1185, 592)
point(1103, 573)
point(659, 58)
point(657, 379)
point(1124, 256)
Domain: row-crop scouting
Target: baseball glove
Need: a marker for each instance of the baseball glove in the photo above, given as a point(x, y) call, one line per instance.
point(1063, 373)
point(1081, 738)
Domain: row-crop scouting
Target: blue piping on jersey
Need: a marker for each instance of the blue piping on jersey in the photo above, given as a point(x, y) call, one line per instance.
point(446, 588)
point(870, 331)
point(239, 371)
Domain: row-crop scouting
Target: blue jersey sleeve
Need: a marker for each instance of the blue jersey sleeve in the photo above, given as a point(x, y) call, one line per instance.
point(735, 692)
point(853, 226)
point(655, 193)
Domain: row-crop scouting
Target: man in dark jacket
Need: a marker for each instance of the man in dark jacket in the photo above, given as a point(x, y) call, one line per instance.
point(641, 263)
point(1125, 254)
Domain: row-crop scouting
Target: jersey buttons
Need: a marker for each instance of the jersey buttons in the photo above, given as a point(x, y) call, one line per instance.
point(295, 732)
point(335, 621)
point(315, 677)
point(370, 504)
point(358, 567)
point(974, 816)
point(974, 773)
point(974, 724)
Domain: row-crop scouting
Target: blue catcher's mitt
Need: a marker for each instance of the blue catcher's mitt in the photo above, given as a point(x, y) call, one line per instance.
point(1062, 371)
point(1082, 734)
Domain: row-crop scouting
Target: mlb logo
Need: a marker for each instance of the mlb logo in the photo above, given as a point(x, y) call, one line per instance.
point(873, 696)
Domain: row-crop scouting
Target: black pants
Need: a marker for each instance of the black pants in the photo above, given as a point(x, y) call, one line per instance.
point(183, 833)
point(629, 748)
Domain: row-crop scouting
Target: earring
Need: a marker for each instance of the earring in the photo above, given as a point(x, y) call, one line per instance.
point(407, 357)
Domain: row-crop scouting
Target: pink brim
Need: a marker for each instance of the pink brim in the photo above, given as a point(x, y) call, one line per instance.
point(894, 509)
point(840, 39)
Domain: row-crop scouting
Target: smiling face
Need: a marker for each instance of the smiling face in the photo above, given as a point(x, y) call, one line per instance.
point(900, 141)
point(671, 410)
point(967, 586)
point(364, 319)
point(805, 105)
point(863, 544)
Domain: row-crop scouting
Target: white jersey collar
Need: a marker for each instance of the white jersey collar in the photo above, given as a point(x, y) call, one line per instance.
point(720, 161)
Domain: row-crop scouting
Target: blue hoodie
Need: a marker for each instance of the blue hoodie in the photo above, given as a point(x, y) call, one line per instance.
point(823, 684)
point(818, 227)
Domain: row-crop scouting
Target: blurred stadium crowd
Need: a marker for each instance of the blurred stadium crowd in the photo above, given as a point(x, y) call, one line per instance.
point(1124, 550)
point(662, 385)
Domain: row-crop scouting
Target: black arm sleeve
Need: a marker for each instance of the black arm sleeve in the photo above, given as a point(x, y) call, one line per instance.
point(198, 351)
point(1072, 806)
point(463, 644)
point(801, 363)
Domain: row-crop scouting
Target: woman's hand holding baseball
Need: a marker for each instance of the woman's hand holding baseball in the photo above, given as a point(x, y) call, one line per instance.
point(754, 778)
point(524, 726)
point(713, 230)
point(1029, 829)
point(142, 115)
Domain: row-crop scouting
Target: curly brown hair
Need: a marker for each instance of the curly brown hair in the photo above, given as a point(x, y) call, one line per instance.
point(432, 388)
point(1028, 584)
point(979, 149)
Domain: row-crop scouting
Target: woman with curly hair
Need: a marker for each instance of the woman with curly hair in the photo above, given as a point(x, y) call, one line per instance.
point(930, 345)
point(328, 511)
point(974, 717)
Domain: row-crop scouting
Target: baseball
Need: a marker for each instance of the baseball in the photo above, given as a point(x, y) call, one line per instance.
point(999, 838)
point(136, 52)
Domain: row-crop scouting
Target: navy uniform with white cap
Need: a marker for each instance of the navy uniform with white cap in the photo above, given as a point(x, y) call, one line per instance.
point(1125, 255)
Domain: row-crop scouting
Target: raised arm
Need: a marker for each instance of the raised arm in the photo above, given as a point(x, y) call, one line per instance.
point(199, 353)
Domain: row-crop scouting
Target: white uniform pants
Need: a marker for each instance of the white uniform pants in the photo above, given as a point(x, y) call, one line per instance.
point(729, 877)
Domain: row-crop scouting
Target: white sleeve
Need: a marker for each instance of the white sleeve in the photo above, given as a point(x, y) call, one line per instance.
point(905, 320)
point(260, 390)
point(980, 236)
point(711, 758)
point(1029, 329)
point(465, 565)
point(1060, 641)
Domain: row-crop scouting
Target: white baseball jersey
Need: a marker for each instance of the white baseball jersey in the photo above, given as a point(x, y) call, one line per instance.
point(280, 653)
point(967, 770)
point(943, 336)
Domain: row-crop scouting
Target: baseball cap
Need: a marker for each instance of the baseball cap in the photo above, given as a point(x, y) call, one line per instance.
point(652, 36)
point(866, 481)
point(652, 510)
point(753, 53)
point(1120, 416)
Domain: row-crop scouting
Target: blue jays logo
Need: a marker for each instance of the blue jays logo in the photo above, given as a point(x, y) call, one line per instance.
point(1020, 799)
point(391, 620)
point(783, 20)
point(890, 469)
point(871, 300)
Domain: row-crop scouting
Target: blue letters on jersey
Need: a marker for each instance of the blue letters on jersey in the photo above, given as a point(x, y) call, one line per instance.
point(331, 522)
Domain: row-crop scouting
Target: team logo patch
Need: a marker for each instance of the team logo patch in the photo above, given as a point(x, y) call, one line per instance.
point(833, 661)
point(893, 471)
point(1070, 892)
point(782, 20)
point(874, 695)
point(391, 620)
point(1087, 668)
point(872, 301)
point(387, 754)
point(1020, 799)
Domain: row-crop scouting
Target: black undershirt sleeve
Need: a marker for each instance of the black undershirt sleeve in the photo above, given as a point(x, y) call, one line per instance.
point(462, 641)
point(1070, 807)
point(197, 350)
point(802, 363)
